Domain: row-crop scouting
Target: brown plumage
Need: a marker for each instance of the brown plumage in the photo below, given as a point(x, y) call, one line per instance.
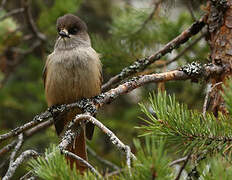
point(72, 72)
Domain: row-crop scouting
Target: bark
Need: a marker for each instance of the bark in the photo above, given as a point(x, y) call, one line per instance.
point(220, 41)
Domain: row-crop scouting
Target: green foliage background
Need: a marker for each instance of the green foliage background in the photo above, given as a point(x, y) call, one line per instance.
point(119, 35)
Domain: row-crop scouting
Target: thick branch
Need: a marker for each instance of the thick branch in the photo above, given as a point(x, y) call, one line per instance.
point(141, 64)
point(191, 71)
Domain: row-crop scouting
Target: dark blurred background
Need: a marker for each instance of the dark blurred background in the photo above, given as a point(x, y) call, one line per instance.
point(121, 31)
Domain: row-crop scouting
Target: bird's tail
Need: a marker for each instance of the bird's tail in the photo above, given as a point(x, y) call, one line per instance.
point(79, 145)
point(78, 148)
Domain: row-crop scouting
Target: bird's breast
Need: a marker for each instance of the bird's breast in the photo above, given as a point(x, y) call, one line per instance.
point(72, 75)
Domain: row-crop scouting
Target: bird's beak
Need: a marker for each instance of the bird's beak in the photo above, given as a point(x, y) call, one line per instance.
point(64, 33)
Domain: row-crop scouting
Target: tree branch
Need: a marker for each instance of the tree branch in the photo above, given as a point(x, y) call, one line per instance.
point(8, 147)
point(73, 130)
point(2, 4)
point(113, 138)
point(156, 7)
point(183, 51)
point(141, 64)
point(104, 161)
point(182, 167)
point(91, 168)
point(36, 120)
point(31, 22)
point(23, 157)
point(178, 161)
point(11, 13)
point(191, 71)
point(17, 147)
point(27, 134)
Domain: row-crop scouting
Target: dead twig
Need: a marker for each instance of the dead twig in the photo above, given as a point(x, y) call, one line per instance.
point(23, 157)
point(28, 176)
point(3, 4)
point(11, 13)
point(114, 173)
point(182, 167)
point(27, 51)
point(103, 161)
point(91, 168)
point(195, 41)
point(17, 147)
point(8, 147)
point(113, 138)
point(31, 22)
point(74, 127)
point(27, 134)
point(36, 120)
point(178, 161)
point(149, 18)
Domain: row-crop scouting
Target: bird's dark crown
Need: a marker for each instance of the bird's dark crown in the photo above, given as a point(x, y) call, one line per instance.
point(71, 23)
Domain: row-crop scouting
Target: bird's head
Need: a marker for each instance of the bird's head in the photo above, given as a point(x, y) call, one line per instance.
point(72, 32)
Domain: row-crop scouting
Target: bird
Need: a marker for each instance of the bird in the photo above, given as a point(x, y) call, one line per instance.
point(73, 71)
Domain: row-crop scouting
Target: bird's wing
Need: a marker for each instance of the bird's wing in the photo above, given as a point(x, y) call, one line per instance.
point(44, 75)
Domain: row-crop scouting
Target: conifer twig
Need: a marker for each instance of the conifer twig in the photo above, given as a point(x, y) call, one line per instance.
point(23, 157)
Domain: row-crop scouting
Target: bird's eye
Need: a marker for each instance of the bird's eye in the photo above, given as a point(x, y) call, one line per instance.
point(73, 31)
